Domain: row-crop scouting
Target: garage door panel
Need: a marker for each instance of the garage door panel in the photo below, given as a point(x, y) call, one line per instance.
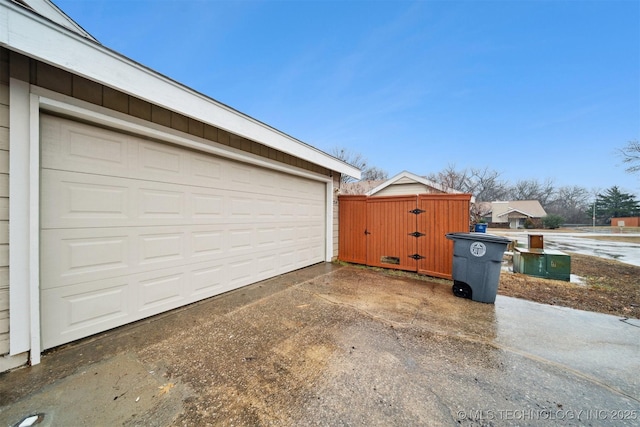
point(163, 290)
point(83, 200)
point(205, 170)
point(209, 280)
point(207, 206)
point(87, 146)
point(135, 227)
point(240, 239)
point(208, 243)
point(85, 254)
point(267, 266)
point(288, 260)
point(241, 206)
point(267, 237)
point(74, 256)
point(77, 311)
point(161, 203)
point(141, 159)
point(241, 177)
point(70, 197)
point(161, 161)
point(162, 248)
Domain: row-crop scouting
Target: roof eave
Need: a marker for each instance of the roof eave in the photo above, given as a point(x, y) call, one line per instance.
point(416, 178)
point(32, 35)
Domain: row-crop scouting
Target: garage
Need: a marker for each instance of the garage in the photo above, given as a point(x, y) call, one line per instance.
point(131, 227)
point(125, 194)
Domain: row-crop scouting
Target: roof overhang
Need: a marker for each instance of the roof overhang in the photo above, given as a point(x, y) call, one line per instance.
point(510, 211)
point(418, 179)
point(413, 177)
point(26, 32)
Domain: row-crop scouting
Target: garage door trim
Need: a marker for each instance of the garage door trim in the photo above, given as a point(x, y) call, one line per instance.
point(25, 210)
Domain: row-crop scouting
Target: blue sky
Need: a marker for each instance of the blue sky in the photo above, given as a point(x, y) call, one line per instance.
point(532, 89)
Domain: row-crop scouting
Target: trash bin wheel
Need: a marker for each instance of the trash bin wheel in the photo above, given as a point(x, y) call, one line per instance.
point(461, 290)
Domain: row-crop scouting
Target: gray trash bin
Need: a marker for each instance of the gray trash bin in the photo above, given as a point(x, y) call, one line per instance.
point(477, 261)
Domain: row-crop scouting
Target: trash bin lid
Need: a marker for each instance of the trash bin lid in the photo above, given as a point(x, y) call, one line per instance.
point(482, 237)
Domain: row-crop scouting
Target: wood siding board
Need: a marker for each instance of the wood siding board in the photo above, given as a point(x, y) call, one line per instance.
point(235, 142)
point(245, 145)
point(4, 208)
point(4, 255)
point(4, 232)
point(139, 108)
point(115, 100)
point(4, 215)
point(4, 138)
point(19, 67)
point(196, 128)
point(224, 137)
point(4, 94)
point(4, 185)
point(160, 116)
point(179, 122)
point(4, 66)
point(4, 161)
point(4, 116)
point(54, 79)
point(211, 133)
point(86, 90)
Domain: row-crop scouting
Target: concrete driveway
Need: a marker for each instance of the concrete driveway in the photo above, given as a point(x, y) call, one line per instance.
point(330, 345)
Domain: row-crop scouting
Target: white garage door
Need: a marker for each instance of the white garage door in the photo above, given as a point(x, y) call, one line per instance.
point(132, 227)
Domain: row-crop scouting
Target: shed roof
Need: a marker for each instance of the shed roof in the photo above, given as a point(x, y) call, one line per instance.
point(406, 177)
point(39, 30)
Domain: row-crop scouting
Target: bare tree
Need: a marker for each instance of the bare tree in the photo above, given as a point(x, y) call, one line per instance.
point(532, 189)
point(374, 174)
point(487, 185)
point(631, 156)
point(357, 160)
point(451, 178)
point(572, 203)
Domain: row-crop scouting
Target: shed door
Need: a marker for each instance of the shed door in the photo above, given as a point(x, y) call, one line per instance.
point(132, 227)
point(352, 234)
point(390, 222)
point(441, 214)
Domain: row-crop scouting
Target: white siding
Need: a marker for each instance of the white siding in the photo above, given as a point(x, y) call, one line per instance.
point(4, 219)
point(404, 189)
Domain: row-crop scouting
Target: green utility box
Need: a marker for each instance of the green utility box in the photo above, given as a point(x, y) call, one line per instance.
point(529, 261)
point(558, 265)
point(545, 263)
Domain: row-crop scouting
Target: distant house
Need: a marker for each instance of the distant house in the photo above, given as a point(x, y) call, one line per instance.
point(404, 183)
point(516, 212)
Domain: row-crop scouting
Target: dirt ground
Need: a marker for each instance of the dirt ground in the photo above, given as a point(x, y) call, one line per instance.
point(609, 287)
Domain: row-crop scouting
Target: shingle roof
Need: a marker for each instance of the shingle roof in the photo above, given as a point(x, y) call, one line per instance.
point(530, 208)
